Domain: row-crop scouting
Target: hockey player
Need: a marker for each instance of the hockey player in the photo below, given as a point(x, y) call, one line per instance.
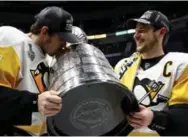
point(23, 71)
point(157, 79)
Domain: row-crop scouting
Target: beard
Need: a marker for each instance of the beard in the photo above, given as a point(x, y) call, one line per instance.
point(147, 46)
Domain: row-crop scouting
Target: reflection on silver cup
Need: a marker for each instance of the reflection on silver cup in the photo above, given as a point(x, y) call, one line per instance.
point(91, 93)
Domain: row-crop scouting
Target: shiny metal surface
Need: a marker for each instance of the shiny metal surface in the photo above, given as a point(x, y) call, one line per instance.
point(91, 93)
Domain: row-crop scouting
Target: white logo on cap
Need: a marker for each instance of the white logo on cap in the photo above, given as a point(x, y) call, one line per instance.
point(146, 15)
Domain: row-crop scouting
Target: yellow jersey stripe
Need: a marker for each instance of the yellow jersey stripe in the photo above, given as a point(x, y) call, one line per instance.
point(180, 90)
point(9, 67)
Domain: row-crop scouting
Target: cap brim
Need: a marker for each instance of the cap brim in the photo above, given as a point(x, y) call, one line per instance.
point(131, 23)
point(69, 37)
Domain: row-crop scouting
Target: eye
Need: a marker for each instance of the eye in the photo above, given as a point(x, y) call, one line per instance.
point(141, 30)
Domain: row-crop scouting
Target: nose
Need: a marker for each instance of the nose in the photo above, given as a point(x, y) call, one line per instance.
point(136, 35)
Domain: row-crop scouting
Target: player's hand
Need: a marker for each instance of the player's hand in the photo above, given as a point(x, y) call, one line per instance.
point(49, 103)
point(141, 119)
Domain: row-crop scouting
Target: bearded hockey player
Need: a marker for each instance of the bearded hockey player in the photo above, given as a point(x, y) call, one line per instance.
point(157, 79)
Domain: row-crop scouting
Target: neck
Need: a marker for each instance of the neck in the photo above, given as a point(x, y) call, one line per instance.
point(154, 52)
point(35, 39)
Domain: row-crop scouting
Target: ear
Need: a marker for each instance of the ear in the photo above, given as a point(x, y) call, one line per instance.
point(163, 31)
point(44, 33)
point(44, 30)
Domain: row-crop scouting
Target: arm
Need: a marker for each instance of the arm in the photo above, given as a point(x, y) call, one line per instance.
point(170, 121)
point(16, 106)
point(174, 120)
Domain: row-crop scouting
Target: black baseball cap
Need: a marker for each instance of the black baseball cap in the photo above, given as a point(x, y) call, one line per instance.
point(152, 17)
point(58, 21)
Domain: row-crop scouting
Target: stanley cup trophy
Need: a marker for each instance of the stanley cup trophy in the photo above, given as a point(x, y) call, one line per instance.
point(91, 93)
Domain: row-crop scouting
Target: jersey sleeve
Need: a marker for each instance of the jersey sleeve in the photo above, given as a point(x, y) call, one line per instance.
point(179, 93)
point(10, 67)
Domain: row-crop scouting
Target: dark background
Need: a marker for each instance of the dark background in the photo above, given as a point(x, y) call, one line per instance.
point(99, 17)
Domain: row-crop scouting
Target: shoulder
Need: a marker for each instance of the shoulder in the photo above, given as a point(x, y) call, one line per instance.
point(13, 50)
point(178, 57)
point(180, 63)
point(120, 63)
point(10, 29)
point(11, 35)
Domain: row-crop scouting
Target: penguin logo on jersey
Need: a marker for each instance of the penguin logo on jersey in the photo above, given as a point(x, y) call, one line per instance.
point(39, 75)
point(147, 90)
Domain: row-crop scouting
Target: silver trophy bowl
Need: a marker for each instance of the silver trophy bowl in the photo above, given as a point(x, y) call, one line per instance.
point(91, 93)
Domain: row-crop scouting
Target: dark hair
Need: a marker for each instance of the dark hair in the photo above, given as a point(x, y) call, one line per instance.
point(166, 36)
point(36, 28)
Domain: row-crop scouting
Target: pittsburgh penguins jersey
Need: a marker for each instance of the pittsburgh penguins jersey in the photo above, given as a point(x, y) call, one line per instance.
point(23, 66)
point(157, 87)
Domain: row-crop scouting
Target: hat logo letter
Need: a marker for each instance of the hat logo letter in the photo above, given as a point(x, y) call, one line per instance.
point(68, 27)
point(146, 15)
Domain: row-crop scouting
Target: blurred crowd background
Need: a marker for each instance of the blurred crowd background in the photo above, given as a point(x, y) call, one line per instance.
point(106, 18)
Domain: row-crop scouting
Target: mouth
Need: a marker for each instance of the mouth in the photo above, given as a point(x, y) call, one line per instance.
point(139, 43)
